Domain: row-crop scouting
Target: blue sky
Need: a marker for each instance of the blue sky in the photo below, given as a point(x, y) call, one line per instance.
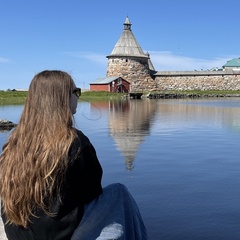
point(76, 36)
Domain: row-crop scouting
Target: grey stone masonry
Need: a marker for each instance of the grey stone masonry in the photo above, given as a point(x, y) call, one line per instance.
point(134, 70)
point(128, 61)
point(141, 80)
point(221, 80)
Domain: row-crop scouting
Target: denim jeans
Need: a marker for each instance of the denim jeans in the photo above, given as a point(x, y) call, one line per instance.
point(113, 215)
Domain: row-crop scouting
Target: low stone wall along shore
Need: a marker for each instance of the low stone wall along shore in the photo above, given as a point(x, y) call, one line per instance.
point(182, 95)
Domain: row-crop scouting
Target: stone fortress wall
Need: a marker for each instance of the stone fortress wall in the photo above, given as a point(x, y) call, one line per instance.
point(141, 78)
point(127, 60)
point(202, 80)
point(133, 70)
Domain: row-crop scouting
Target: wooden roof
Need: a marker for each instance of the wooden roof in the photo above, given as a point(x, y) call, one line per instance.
point(127, 44)
point(106, 80)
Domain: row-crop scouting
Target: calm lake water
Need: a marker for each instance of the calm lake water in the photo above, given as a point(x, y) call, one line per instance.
point(180, 159)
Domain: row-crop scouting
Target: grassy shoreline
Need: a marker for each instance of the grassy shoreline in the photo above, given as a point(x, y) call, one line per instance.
point(18, 97)
point(12, 97)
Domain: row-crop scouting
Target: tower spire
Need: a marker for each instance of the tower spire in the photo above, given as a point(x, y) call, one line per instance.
point(127, 24)
point(128, 60)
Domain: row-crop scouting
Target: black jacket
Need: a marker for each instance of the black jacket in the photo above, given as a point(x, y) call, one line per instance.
point(82, 185)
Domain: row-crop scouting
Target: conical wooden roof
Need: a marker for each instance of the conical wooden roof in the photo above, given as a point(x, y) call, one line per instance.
point(127, 44)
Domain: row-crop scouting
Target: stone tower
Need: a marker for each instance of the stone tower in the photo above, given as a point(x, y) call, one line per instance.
point(128, 61)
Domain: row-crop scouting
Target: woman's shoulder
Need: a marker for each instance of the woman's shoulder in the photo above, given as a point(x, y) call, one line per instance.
point(79, 143)
point(81, 137)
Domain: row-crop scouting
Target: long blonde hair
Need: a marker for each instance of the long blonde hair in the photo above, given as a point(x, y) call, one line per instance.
point(34, 159)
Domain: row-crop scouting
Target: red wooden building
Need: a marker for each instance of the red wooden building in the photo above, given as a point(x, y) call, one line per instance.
point(110, 84)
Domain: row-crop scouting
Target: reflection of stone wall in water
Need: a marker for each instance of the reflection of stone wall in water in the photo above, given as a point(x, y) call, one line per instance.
point(130, 120)
point(204, 111)
point(129, 123)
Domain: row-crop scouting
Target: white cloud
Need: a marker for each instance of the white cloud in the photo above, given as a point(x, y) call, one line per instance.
point(4, 60)
point(93, 57)
point(162, 60)
point(168, 61)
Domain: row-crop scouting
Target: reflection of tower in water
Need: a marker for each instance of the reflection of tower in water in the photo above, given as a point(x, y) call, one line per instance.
point(129, 123)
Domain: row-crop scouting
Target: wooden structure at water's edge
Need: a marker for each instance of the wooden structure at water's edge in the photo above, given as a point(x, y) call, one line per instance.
point(133, 95)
